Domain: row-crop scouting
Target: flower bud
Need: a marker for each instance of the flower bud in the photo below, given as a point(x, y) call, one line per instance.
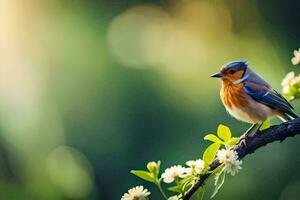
point(152, 167)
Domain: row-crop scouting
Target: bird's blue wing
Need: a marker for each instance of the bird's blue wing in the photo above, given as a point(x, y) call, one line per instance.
point(269, 97)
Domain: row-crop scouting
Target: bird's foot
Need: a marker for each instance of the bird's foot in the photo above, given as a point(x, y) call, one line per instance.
point(243, 139)
point(252, 130)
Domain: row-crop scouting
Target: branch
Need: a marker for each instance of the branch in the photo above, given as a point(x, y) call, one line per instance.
point(259, 139)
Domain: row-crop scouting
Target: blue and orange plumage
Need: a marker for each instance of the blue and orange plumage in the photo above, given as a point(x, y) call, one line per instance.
point(248, 97)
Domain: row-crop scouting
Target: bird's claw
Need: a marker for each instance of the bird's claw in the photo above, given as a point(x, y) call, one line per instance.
point(243, 139)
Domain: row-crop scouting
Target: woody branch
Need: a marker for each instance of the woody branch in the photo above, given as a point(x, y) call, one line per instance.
point(258, 140)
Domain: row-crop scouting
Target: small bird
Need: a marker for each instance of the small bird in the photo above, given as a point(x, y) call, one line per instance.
point(249, 98)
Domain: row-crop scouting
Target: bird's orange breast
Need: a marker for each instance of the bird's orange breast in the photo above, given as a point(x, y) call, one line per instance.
point(233, 95)
point(241, 106)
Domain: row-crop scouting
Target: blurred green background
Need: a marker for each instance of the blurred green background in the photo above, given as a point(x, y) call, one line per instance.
point(90, 89)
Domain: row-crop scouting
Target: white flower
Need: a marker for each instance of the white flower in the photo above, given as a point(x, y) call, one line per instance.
point(230, 160)
point(288, 79)
point(286, 89)
point(225, 155)
point(233, 167)
point(195, 167)
point(136, 193)
point(171, 173)
point(296, 80)
point(175, 197)
point(296, 59)
point(291, 85)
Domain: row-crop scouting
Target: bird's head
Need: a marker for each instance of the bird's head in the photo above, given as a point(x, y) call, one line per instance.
point(232, 71)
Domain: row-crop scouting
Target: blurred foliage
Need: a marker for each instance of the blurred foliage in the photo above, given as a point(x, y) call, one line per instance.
point(91, 89)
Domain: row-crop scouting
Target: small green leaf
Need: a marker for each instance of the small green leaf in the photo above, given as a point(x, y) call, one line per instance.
point(186, 179)
point(186, 186)
point(210, 153)
point(233, 141)
point(158, 163)
point(266, 124)
point(147, 176)
point(212, 138)
point(199, 194)
point(224, 132)
point(186, 183)
point(220, 179)
point(182, 185)
point(176, 188)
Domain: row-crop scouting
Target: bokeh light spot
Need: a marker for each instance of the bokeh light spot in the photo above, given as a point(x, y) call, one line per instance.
point(70, 171)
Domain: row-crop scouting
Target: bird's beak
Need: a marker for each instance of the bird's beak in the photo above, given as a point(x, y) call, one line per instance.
point(217, 75)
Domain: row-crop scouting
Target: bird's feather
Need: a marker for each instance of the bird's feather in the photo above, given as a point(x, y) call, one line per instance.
point(252, 77)
point(269, 97)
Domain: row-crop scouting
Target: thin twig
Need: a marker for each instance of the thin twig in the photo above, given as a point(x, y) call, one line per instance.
point(259, 139)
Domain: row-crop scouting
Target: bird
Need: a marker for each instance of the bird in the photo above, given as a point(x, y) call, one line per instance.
point(249, 98)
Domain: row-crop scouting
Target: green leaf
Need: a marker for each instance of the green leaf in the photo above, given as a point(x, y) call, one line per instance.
point(212, 138)
point(233, 141)
point(182, 185)
point(186, 179)
point(186, 184)
point(220, 179)
point(224, 132)
point(158, 164)
point(265, 125)
point(176, 188)
point(199, 194)
point(147, 176)
point(210, 153)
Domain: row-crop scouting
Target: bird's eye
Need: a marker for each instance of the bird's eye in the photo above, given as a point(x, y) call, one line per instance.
point(232, 72)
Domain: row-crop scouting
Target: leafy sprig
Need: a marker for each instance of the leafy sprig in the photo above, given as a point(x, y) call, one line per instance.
point(185, 177)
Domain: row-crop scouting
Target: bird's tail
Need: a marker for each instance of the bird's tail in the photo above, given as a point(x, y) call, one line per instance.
point(288, 116)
